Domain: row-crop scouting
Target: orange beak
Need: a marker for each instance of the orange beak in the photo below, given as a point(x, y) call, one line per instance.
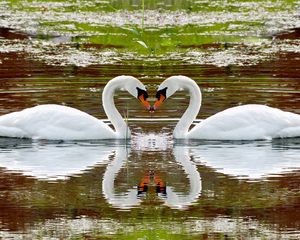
point(144, 102)
point(159, 101)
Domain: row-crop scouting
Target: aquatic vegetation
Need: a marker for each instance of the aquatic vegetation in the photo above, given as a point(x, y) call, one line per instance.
point(221, 33)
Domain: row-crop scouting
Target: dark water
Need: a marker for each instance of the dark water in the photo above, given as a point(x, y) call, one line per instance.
point(151, 187)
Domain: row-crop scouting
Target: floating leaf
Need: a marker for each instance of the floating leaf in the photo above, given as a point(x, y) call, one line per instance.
point(132, 30)
point(142, 43)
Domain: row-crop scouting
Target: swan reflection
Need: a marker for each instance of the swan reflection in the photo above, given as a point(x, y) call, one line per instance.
point(119, 200)
point(248, 160)
point(164, 190)
point(180, 200)
point(51, 161)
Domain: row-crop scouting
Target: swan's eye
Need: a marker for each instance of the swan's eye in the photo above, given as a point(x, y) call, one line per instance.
point(141, 92)
point(161, 92)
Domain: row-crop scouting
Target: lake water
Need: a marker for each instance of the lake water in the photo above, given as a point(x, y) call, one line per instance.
point(149, 187)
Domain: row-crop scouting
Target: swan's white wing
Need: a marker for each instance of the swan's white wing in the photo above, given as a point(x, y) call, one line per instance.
point(54, 122)
point(248, 122)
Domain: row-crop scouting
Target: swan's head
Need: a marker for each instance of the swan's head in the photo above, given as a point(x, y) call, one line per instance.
point(137, 89)
point(166, 89)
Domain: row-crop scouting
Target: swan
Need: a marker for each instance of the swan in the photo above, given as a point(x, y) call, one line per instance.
point(56, 122)
point(246, 122)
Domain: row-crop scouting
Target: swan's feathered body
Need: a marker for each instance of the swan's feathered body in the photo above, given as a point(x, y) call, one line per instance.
point(53, 122)
point(56, 122)
point(247, 122)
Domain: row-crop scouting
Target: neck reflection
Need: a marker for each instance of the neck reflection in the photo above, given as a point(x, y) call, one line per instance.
point(168, 176)
point(53, 161)
point(152, 182)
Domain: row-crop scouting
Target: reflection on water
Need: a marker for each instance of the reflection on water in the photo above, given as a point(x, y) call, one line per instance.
point(249, 160)
point(60, 161)
point(121, 200)
point(168, 194)
point(150, 187)
point(101, 181)
point(51, 161)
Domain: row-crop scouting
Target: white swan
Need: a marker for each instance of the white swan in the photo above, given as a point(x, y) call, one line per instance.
point(247, 122)
point(56, 122)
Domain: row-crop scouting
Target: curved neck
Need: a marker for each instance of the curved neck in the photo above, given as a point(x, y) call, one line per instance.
point(121, 128)
point(182, 127)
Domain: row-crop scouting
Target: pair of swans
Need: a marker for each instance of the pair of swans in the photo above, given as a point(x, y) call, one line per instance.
point(247, 122)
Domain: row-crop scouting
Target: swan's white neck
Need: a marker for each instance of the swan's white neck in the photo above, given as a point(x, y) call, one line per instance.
point(182, 128)
point(121, 128)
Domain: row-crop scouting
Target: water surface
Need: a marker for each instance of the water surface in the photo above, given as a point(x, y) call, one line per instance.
point(151, 187)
